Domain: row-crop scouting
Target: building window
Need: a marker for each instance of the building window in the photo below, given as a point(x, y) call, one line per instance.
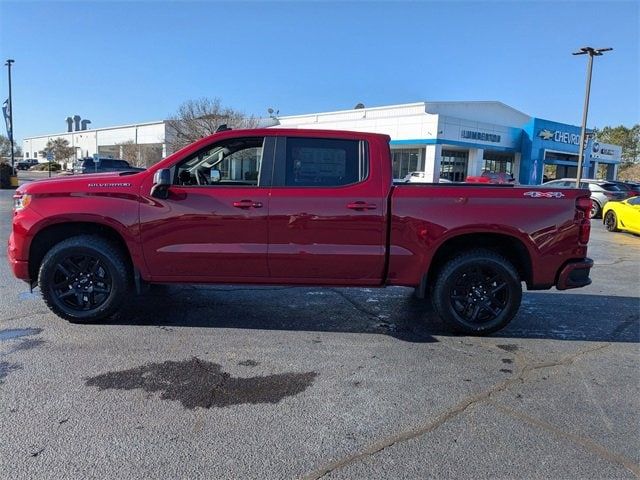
point(566, 157)
point(453, 165)
point(405, 161)
point(498, 162)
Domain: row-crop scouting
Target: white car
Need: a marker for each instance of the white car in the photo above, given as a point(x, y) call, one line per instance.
point(421, 177)
point(602, 191)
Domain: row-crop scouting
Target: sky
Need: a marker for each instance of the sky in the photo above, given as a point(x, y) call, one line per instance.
point(125, 62)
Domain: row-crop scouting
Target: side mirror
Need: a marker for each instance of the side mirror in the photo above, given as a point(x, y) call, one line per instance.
point(214, 175)
point(161, 183)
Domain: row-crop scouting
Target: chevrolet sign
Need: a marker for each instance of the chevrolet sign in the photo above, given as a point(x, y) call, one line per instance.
point(559, 136)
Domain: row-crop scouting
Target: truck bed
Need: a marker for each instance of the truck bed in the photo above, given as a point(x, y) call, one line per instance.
point(426, 216)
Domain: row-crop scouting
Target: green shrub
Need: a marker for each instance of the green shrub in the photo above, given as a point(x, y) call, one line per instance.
point(45, 167)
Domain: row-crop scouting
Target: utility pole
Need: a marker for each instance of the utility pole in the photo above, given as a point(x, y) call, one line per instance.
point(592, 52)
point(10, 112)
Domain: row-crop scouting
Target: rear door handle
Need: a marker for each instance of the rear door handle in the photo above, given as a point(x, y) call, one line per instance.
point(247, 204)
point(359, 205)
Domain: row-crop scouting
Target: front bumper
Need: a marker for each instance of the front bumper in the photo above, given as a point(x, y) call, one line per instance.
point(20, 268)
point(575, 274)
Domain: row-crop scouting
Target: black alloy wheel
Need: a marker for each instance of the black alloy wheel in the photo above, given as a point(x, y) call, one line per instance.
point(611, 221)
point(478, 292)
point(85, 279)
point(81, 282)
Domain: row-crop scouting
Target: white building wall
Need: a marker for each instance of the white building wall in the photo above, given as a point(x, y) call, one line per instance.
point(432, 156)
point(401, 122)
point(476, 162)
point(87, 142)
point(488, 112)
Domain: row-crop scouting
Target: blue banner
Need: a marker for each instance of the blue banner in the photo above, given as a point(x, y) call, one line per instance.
point(7, 118)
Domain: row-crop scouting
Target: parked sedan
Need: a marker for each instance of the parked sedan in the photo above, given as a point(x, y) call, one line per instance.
point(624, 215)
point(421, 177)
point(602, 191)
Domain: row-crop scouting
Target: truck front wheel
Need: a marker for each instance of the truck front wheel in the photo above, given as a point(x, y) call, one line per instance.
point(477, 293)
point(84, 279)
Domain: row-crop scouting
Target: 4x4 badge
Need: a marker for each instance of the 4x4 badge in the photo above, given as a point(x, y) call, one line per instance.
point(544, 194)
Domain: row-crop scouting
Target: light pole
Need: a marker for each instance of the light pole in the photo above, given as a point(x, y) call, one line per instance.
point(10, 112)
point(592, 52)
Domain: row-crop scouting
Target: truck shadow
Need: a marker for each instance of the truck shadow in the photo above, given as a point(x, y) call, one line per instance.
point(393, 311)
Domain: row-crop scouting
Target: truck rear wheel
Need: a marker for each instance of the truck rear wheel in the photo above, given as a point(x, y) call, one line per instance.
point(84, 279)
point(477, 293)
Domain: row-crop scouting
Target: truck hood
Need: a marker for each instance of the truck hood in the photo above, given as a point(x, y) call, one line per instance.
point(83, 182)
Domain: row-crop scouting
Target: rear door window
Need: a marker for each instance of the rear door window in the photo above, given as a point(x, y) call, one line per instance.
point(320, 162)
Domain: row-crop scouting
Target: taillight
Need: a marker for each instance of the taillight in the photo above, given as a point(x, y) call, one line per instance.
point(583, 211)
point(583, 205)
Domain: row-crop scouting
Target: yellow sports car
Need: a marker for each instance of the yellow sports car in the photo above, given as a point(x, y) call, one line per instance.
point(624, 215)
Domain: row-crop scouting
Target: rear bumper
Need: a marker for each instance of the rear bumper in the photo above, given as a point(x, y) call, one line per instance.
point(575, 274)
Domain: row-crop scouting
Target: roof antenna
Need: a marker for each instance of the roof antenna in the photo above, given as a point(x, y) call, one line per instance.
point(222, 128)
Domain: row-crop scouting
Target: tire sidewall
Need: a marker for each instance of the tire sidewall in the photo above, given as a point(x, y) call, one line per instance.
point(446, 280)
point(611, 214)
point(106, 309)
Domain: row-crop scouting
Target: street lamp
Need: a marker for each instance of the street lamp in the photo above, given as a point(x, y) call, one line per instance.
point(592, 52)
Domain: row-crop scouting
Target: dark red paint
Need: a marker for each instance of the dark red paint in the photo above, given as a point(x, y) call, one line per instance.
point(370, 233)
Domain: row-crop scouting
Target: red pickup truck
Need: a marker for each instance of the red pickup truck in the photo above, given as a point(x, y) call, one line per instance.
point(296, 207)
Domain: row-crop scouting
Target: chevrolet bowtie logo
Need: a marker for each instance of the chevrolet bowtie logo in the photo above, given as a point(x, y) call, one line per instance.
point(546, 134)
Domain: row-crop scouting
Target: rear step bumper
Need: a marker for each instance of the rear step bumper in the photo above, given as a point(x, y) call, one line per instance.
point(575, 274)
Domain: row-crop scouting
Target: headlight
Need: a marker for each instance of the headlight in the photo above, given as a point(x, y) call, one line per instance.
point(21, 201)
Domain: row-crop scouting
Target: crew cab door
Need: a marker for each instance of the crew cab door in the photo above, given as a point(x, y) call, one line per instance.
point(213, 225)
point(327, 213)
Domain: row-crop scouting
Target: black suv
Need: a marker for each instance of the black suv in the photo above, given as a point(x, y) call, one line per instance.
point(26, 164)
point(101, 165)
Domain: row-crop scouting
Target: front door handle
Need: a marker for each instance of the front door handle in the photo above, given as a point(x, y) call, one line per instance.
point(247, 204)
point(359, 205)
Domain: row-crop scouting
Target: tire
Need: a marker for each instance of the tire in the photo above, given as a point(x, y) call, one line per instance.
point(596, 209)
point(611, 221)
point(85, 279)
point(477, 293)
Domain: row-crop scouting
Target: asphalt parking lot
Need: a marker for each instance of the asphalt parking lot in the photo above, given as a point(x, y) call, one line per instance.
point(276, 382)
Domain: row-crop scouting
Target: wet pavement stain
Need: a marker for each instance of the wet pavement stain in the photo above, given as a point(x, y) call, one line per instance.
point(28, 296)
point(11, 333)
point(6, 368)
point(508, 348)
point(198, 383)
point(248, 363)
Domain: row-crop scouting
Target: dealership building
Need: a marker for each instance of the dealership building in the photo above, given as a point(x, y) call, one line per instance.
point(449, 140)
point(454, 140)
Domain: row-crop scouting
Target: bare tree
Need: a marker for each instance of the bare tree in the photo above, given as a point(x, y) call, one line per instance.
point(140, 155)
point(5, 148)
point(196, 119)
point(59, 148)
point(129, 152)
